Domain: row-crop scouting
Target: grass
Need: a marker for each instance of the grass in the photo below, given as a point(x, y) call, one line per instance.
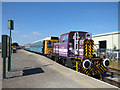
point(115, 64)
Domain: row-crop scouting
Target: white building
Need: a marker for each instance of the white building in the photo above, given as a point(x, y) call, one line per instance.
point(107, 40)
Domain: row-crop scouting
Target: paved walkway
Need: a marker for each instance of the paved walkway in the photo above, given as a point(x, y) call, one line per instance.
point(31, 70)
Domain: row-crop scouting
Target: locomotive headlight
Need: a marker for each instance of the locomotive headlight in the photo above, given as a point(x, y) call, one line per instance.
point(86, 64)
point(106, 62)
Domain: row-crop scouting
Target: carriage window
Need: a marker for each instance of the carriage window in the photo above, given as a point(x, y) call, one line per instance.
point(65, 38)
point(88, 36)
point(49, 44)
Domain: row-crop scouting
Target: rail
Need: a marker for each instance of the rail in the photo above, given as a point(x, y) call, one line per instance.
point(114, 78)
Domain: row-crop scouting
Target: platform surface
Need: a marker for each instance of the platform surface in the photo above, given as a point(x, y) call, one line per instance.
point(1, 63)
point(30, 70)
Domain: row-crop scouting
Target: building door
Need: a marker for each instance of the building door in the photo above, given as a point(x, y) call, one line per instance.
point(102, 45)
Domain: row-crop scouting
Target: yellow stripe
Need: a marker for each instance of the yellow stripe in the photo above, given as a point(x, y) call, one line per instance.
point(91, 70)
point(102, 68)
point(82, 70)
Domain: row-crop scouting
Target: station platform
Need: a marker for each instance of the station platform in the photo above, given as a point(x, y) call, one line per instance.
point(1, 71)
point(30, 70)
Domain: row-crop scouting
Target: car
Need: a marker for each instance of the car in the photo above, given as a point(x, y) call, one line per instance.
point(14, 50)
point(115, 55)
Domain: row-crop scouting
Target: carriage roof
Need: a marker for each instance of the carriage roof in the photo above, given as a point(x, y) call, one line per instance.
point(47, 38)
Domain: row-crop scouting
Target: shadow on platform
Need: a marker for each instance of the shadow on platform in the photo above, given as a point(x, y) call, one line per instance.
point(32, 71)
point(25, 72)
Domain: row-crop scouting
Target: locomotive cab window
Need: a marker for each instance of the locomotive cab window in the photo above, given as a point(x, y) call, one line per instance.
point(54, 42)
point(61, 39)
point(49, 45)
point(77, 37)
point(82, 35)
point(65, 38)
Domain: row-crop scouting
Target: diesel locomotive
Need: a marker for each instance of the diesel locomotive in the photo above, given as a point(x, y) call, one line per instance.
point(75, 50)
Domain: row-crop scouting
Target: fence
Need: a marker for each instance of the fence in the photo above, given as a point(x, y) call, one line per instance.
point(111, 54)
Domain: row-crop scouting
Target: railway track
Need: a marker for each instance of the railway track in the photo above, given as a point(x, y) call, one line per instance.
point(112, 77)
point(114, 71)
point(111, 81)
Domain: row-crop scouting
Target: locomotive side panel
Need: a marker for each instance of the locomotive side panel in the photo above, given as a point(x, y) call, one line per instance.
point(63, 49)
point(56, 48)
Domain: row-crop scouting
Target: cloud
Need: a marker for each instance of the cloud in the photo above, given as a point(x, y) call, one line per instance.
point(14, 41)
point(14, 31)
point(36, 33)
point(24, 36)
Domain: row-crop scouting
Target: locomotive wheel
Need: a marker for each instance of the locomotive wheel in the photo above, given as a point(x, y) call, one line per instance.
point(60, 61)
point(47, 55)
point(53, 58)
point(50, 56)
point(56, 59)
point(68, 63)
point(63, 62)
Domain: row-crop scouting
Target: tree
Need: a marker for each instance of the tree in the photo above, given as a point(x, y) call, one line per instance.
point(114, 47)
point(14, 44)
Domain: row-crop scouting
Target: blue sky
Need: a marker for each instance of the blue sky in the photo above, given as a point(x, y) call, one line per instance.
point(34, 21)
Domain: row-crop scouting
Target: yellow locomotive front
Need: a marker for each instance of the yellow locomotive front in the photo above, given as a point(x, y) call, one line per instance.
point(48, 47)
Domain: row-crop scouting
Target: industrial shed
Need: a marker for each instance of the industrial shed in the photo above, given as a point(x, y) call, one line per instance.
point(107, 40)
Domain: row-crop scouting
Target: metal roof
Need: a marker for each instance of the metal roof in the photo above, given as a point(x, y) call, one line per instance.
point(105, 34)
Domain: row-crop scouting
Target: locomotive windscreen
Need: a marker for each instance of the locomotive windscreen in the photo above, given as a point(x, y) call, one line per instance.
point(54, 38)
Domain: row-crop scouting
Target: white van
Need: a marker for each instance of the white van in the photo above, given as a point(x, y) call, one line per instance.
point(115, 54)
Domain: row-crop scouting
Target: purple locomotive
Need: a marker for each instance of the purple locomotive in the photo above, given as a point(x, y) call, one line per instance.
point(76, 50)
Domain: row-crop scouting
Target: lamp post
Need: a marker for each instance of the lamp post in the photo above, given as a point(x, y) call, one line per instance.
point(10, 27)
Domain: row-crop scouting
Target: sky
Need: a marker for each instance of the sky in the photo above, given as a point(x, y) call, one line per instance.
point(37, 20)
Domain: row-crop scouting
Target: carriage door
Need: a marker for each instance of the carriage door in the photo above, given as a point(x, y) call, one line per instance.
point(76, 43)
